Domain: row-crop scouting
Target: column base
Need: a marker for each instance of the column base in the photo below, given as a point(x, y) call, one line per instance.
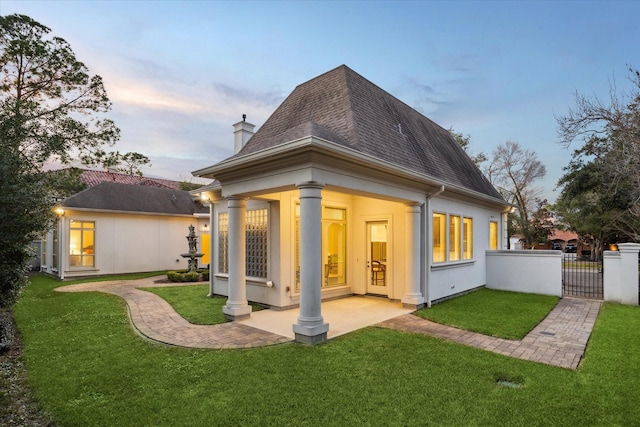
point(311, 334)
point(236, 312)
point(413, 301)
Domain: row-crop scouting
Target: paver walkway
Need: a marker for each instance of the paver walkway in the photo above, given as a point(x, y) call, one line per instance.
point(155, 319)
point(559, 340)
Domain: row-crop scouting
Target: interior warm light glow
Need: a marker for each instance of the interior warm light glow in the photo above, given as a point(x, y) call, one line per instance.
point(439, 241)
point(454, 238)
point(82, 244)
point(493, 235)
point(467, 238)
point(378, 233)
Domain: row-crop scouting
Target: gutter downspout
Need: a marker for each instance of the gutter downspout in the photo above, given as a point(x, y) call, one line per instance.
point(437, 193)
point(427, 254)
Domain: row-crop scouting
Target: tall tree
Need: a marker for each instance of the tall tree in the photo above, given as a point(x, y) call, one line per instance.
point(49, 109)
point(464, 142)
point(513, 171)
point(129, 163)
point(610, 137)
point(587, 207)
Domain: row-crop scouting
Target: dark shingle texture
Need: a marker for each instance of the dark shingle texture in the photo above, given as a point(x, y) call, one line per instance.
point(345, 108)
point(113, 196)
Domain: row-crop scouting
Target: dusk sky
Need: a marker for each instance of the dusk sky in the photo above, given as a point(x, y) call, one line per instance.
point(180, 74)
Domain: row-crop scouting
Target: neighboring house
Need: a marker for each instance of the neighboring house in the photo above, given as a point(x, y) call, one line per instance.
point(560, 239)
point(347, 190)
point(95, 177)
point(569, 241)
point(115, 228)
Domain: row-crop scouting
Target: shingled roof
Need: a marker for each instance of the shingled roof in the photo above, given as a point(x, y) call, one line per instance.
point(343, 107)
point(112, 196)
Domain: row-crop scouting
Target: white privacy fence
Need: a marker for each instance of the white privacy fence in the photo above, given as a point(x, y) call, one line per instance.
point(535, 272)
point(541, 272)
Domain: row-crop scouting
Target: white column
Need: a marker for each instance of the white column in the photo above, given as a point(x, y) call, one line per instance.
point(237, 306)
point(629, 273)
point(310, 327)
point(413, 297)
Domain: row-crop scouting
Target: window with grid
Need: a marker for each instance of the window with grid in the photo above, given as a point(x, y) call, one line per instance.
point(223, 242)
point(54, 254)
point(82, 244)
point(467, 238)
point(256, 238)
point(493, 235)
point(257, 247)
point(334, 246)
point(454, 238)
point(439, 242)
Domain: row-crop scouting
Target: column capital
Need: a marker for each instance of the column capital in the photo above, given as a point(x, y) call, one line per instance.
point(629, 247)
point(413, 207)
point(236, 202)
point(310, 184)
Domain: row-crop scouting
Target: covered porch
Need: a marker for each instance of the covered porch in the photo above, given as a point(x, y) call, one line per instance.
point(337, 227)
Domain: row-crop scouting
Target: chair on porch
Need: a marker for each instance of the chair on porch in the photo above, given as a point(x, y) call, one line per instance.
point(378, 273)
point(331, 267)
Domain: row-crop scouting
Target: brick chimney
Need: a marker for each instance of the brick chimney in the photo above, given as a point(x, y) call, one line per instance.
point(242, 131)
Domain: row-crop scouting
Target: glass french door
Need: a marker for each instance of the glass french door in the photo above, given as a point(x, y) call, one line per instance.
point(377, 260)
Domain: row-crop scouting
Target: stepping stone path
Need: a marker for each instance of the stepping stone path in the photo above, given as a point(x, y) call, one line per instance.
point(559, 340)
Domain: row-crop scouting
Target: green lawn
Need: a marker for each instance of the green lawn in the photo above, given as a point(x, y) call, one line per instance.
point(89, 368)
point(503, 314)
point(192, 303)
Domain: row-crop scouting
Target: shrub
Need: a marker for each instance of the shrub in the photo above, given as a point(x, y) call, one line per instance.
point(183, 276)
point(193, 276)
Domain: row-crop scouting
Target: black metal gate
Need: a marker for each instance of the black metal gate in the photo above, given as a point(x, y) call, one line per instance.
point(581, 277)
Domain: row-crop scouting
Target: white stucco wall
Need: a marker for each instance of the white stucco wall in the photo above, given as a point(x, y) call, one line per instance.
point(536, 272)
point(450, 278)
point(129, 243)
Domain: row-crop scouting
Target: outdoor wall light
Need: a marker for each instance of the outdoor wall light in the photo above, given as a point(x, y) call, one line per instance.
point(205, 227)
point(59, 211)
